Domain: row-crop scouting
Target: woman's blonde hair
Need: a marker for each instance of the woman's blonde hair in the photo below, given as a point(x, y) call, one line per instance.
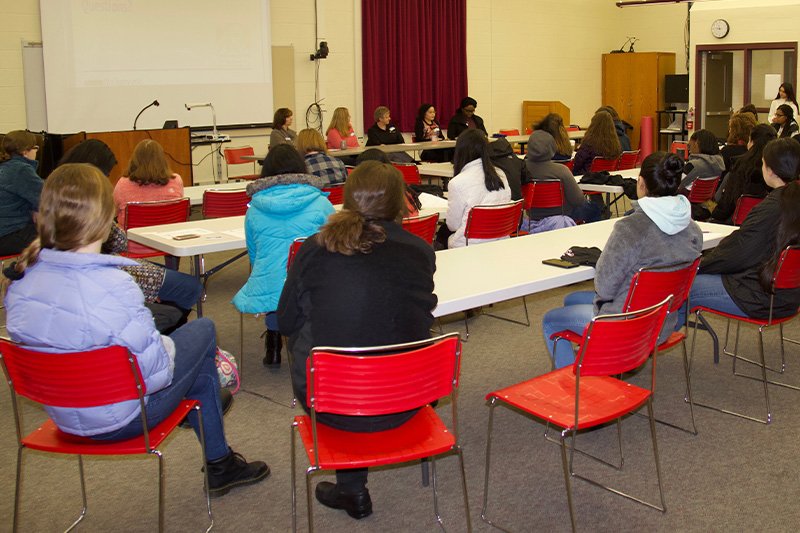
point(340, 121)
point(739, 128)
point(148, 164)
point(601, 135)
point(310, 140)
point(16, 142)
point(373, 192)
point(76, 208)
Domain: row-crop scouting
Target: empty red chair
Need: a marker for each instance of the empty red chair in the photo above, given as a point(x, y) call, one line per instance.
point(703, 189)
point(786, 276)
point(235, 156)
point(587, 395)
point(410, 173)
point(144, 214)
point(423, 227)
point(627, 160)
point(377, 381)
point(650, 286)
point(744, 205)
point(85, 379)
point(600, 164)
point(335, 193)
point(218, 203)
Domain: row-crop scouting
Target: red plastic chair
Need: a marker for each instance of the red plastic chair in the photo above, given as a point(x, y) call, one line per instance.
point(509, 133)
point(377, 381)
point(680, 148)
point(495, 222)
point(786, 276)
point(410, 173)
point(293, 249)
point(600, 164)
point(218, 203)
point(233, 156)
point(85, 379)
point(744, 205)
point(335, 194)
point(703, 190)
point(543, 194)
point(648, 287)
point(423, 227)
point(143, 214)
point(584, 395)
point(569, 163)
point(627, 160)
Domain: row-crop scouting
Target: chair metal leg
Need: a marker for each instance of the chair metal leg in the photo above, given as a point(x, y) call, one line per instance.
point(309, 471)
point(657, 458)
point(464, 489)
point(293, 477)
point(202, 432)
point(435, 497)
point(425, 471)
point(160, 490)
point(484, 516)
point(17, 488)
point(687, 397)
point(83, 497)
point(241, 344)
point(567, 467)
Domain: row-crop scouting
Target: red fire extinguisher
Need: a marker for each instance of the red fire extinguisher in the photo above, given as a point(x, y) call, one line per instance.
point(690, 119)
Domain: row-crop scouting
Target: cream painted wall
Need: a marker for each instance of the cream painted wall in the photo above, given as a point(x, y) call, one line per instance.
point(20, 23)
point(751, 21)
point(517, 50)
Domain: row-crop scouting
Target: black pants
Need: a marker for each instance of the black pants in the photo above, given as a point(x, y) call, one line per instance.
point(16, 241)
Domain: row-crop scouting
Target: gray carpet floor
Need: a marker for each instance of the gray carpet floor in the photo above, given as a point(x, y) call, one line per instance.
point(735, 475)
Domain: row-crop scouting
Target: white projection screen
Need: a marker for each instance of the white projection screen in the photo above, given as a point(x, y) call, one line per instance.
point(106, 59)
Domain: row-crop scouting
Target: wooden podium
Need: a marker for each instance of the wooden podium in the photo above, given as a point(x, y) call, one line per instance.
point(535, 111)
point(176, 143)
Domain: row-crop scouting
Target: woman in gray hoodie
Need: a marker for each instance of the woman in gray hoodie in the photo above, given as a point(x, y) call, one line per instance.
point(659, 233)
point(705, 161)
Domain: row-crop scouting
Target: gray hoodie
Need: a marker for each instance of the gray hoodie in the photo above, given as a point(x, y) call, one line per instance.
point(702, 166)
point(538, 160)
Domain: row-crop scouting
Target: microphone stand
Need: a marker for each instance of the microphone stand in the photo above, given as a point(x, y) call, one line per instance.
point(151, 104)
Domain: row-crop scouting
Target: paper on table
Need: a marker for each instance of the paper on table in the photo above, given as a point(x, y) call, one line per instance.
point(431, 201)
point(176, 233)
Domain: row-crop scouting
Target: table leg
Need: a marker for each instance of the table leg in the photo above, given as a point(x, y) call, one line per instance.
point(198, 274)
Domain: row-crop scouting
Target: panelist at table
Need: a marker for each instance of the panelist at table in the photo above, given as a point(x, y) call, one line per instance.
point(384, 132)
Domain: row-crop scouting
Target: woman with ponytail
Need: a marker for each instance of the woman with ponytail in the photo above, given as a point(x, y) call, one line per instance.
point(65, 296)
point(735, 276)
point(659, 233)
point(361, 281)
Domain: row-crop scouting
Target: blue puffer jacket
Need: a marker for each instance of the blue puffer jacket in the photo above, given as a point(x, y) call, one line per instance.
point(20, 188)
point(283, 208)
point(69, 302)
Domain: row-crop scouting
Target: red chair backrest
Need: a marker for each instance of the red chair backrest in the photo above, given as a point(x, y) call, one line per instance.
point(508, 132)
point(681, 148)
point(224, 203)
point(787, 272)
point(335, 194)
point(384, 379)
point(410, 173)
point(423, 227)
point(599, 164)
point(493, 221)
point(703, 190)
point(77, 379)
point(233, 156)
point(573, 128)
point(542, 194)
point(744, 205)
point(143, 214)
point(627, 160)
point(616, 344)
point(350, 170)
point(569, 163)
point(293, 249)
point(651, 286)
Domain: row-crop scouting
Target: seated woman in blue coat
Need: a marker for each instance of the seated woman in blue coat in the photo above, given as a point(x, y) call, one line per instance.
point(66, 296)
point(286, 203)
point(20, 187)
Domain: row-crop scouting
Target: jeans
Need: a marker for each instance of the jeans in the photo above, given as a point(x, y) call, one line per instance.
point(588, 212)
point(180, 289)
point(578, 311)
point(708, 291)
point(271, 321)
point(195, 378)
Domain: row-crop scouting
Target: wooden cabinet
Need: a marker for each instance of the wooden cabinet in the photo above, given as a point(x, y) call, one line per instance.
point(535, 111)
point(633, 84)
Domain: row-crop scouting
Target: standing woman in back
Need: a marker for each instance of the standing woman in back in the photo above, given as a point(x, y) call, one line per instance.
point(785, 96)
point(476, 181)
point(147, 179)
point(281, 132)
point(601, 140)
point(20, 188)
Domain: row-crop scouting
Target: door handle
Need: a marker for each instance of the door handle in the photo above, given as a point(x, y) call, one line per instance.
point(717, 113)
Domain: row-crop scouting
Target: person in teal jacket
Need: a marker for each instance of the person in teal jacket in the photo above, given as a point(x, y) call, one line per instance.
point(286, 204)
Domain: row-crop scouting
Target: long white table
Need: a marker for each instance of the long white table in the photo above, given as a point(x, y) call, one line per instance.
point(445, 170)
point(465, 277)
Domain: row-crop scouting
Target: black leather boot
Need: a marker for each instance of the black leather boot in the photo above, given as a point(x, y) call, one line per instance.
point(231, 471)
point(272, 347)
point(357, 504)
